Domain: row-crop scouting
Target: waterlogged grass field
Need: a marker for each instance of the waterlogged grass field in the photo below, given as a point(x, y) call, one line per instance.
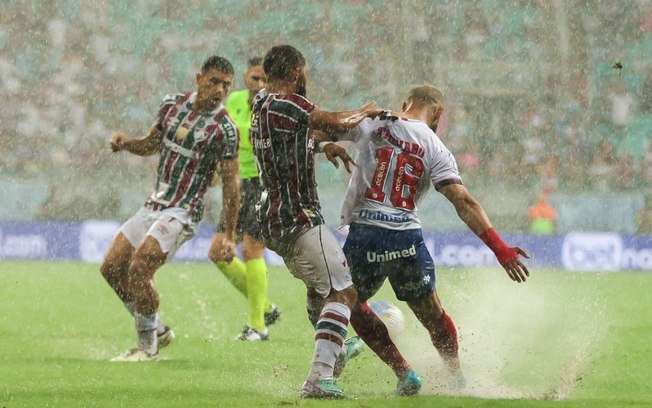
point(561, 340)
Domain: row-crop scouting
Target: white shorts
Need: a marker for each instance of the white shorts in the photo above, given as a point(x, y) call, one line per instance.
point(317, 259)
point(171, 227)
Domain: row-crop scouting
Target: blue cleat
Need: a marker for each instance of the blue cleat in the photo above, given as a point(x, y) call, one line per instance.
point(409, 384)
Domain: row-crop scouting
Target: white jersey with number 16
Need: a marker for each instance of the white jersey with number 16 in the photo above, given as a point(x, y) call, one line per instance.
point(397, 160)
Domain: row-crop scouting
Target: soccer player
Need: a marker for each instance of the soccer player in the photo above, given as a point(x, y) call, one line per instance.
point(399, 156)
point(250, 276)
point(289, 210)
point(193, 134)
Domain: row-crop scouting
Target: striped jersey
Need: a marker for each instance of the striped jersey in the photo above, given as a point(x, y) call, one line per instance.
point(397, 160)
point(284, 152)
point(191, 146)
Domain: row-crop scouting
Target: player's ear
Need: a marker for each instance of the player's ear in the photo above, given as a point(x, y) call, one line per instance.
point(297, 73)
point(439, 109)
point(404, 107)
point(198, 77)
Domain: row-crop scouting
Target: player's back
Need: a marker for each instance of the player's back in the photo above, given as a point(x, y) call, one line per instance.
point(284, 152)
point(397, 160)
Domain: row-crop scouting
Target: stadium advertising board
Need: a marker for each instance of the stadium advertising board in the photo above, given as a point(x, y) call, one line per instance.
point(88, 241)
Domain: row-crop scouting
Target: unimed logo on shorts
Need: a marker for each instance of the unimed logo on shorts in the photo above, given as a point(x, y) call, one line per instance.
point(592, 252)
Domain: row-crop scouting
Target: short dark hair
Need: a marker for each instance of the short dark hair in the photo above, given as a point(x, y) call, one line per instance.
point(219, 63)
point(281, 60)
point(426, 93)
point(254, 62)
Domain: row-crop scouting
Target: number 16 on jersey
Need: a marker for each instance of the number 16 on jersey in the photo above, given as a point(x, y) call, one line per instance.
point(401, 187)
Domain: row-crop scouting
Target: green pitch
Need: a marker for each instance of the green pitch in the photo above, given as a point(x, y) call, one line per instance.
point(561, 340)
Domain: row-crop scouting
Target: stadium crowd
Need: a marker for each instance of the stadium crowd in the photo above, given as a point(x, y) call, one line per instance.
point(537, 102)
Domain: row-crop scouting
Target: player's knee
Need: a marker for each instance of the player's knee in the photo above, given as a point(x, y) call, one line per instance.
point(142, 267)
point(348, 296)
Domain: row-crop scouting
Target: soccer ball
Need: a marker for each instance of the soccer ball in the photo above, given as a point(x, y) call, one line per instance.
point(391, 315)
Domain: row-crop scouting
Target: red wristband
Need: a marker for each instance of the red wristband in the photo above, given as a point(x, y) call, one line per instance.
point(503, 252)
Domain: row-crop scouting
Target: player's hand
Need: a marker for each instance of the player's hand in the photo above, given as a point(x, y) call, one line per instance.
point(372, 109)
point(368, 110)
point(227, 250)
point(333, 151)
point(512, 264)
point(117, 142)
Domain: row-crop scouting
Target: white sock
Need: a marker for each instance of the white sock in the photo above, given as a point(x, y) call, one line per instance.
point(146, 327)
point(329, 337)
point(160, 326)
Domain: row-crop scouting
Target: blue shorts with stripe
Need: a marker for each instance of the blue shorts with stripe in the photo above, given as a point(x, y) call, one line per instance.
point(376, 253)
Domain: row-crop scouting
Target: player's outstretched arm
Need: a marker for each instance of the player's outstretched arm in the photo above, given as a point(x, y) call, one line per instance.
point(229, 170)
point(144, 146)
point(473, 215)
point(324, 143)
point(340, 122)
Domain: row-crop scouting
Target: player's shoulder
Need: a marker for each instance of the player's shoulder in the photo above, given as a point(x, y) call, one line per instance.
point(297, 100)
point(225, 125)
point(173, 98)
point(222, 117)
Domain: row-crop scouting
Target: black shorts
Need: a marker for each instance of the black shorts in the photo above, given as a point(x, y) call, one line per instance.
point(250, 190)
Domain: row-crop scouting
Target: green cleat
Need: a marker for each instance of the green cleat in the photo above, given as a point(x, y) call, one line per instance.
point(321, 389)
point(353, 346)
point(409, 384)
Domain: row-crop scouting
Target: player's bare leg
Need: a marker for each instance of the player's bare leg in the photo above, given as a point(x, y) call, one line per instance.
point(147, 258)
point(115, 270)
point(442, 331)
point(314, 304)
point(115, 267)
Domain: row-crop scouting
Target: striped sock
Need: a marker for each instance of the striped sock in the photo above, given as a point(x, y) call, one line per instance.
point(329, 336)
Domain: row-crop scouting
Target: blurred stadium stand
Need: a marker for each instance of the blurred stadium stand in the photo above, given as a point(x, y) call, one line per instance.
point(534, 103)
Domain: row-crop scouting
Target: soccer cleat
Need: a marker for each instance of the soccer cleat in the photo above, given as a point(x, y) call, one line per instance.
point(134, 355)
point(272, 316)
point(458, 381)
point(409, 384)
point(251, 334)
point(321, 389)
point(165, 338)
point(353, 346)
